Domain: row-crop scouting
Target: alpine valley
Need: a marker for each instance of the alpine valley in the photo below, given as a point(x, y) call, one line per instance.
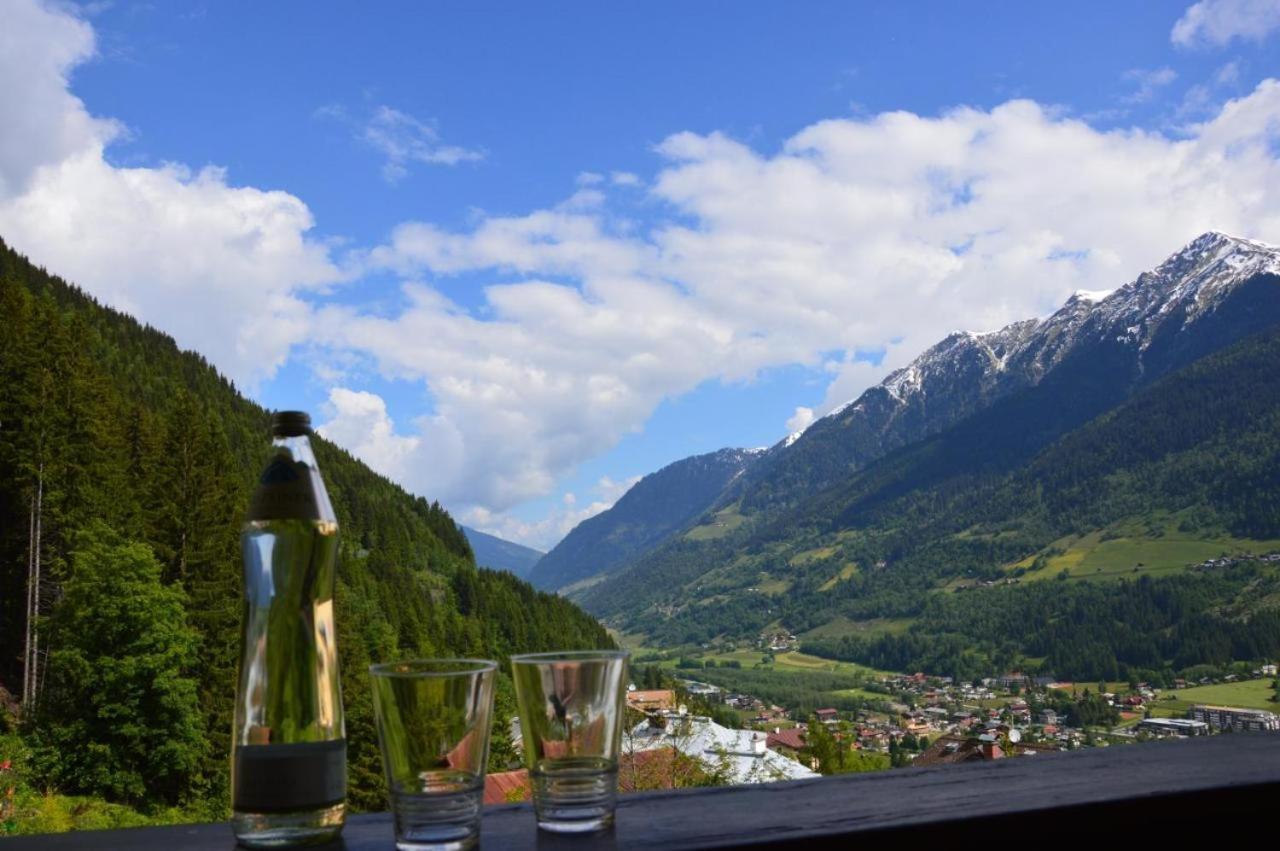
point(1091, 494)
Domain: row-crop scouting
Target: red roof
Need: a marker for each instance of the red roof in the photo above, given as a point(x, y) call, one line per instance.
point(507, 787)
point(793, 739)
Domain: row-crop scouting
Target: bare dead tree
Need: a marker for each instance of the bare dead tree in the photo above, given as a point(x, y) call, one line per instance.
point(31, 669)
point(31, 594)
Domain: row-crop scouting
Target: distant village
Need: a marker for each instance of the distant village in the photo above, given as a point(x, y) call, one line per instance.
point(672, 741)
point(922, 720)
point(934, 720)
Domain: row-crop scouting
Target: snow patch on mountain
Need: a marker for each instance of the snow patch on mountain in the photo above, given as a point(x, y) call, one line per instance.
point(1190, 283)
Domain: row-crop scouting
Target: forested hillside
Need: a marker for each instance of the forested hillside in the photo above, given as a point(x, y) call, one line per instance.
point(1197, 453)
point(974, 405)
point(125, 467)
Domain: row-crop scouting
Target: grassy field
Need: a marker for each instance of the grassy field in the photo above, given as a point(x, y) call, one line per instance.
point(846, 572)
point(865, 695)
point(841, 626)
point(724, 522)
point(1153, 547)
point(1250, 694)
point(810, 556)
point(774, 586)
point(792, 661)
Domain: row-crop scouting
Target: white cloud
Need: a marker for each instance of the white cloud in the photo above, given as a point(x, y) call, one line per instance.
point(404, 139)
point(876, 232)
point(800, 420)
point(1203, 99)
point(218, 266)
point(360, 424)
point(1217, 22)
point(545, 533)
point(44, 122)
point(624, 178)
point(401, 139)
point(884, 232)
point(1147, 82)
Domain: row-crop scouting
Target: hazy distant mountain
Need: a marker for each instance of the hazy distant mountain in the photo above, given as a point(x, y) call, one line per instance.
point(656, 507)
point(501, 554)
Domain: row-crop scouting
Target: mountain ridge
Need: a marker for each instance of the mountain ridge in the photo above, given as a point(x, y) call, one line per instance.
point(967, 370)
point(1079, 362)
point(501, 554)
point(658, 505)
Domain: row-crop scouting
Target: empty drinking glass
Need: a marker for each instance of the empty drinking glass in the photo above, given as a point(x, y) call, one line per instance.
point(433, 725)
point(571, 716)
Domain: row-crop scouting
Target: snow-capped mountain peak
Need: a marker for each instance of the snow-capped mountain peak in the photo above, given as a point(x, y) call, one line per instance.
point(982, 365)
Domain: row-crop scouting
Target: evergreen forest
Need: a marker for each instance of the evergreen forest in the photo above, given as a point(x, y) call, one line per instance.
point(125, 469)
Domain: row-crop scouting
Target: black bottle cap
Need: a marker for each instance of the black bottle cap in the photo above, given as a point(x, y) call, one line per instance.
point(290, 423)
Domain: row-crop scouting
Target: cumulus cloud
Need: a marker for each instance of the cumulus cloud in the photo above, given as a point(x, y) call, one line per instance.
point(883, 232)
point(545, 533)
point(800, 420)
point(1217, 22)
point(359, 421)
point(880, 232)
point(220, 267)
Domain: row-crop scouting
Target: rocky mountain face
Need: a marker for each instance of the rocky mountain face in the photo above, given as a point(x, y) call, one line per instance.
point(993, 399)
point(1142, 326)
point(658, 506)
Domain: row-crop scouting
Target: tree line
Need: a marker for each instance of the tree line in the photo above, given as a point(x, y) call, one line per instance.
point(125, 468)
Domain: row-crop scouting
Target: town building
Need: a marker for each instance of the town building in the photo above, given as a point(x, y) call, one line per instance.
point(706, 691)
point(742, 755)
point(1236, 718)
point(652, 701)
point(1174, 727)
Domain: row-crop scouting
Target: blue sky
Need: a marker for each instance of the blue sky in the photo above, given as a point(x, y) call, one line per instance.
point(517, 255)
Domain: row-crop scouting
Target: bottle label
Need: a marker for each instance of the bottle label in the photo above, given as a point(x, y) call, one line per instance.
point(287, 491)
point(287, 778)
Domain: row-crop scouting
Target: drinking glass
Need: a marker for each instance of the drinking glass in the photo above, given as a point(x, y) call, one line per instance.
point(571, 717)
point(433, 719)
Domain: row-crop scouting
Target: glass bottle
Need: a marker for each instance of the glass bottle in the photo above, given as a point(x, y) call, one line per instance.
point(288, 774)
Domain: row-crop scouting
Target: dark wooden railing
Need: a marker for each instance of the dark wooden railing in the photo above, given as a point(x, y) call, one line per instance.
point(1215, 789)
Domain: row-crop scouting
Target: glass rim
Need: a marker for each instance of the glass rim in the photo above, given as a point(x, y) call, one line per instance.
point(569, 656)
point(432, 668)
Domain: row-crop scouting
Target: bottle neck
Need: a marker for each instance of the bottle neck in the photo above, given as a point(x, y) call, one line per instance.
point(298, 447)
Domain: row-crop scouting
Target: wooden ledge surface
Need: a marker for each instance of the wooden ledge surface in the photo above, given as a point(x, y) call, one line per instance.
point(1171, 789)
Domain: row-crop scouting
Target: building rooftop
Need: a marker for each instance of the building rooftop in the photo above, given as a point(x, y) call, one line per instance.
point(743, 754)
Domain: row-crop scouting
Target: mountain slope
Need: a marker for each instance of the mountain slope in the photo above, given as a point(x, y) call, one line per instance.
point(1138, 328)
point(1184, 308)
point(1085, 360)
point(500, 554)
point(1191, 453)
point(656, 507)
point(109, 432)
